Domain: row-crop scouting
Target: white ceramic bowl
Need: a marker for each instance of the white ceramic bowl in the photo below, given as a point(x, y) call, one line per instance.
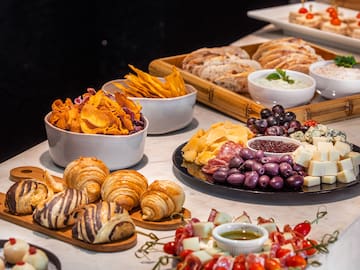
point(236, 247)
point(331, 88)
point(282, 139)
point(268, 96)
point(116, 151)
point(164, 114)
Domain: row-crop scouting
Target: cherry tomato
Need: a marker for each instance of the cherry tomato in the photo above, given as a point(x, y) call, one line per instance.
point(302, 10)
point(184, 253)
point(220, 268)
point(335, 21)
point(182, 266)
point(281, 252)
point(330, 9)
point(358, 15)
point(179, 231)
point(333, 14)
point(239, 266)
point(272, 264)
point(239, 262)
point(308, 246)
point(296, 261)
point(310, 123)
point(309, 16)
point(303, 228)
point(210, 264)
point(170, 248)
point(256, 266)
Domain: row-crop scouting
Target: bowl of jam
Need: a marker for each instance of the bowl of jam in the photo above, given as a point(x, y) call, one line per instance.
point(240, 238)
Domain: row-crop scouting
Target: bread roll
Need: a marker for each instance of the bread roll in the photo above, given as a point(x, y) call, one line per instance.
point(162, 199)
point(23, 196)
point(86, 174)
point(59, 211)
point(124, 187)
point(103, 222)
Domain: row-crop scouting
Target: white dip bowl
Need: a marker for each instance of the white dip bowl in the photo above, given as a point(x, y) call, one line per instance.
point(335, 82)
point(240, 246)
point(116, 151)
point(268, 93)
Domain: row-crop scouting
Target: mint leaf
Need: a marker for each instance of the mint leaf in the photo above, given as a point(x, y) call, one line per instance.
point(273, 76)
point(280, 74)
point(345, 61)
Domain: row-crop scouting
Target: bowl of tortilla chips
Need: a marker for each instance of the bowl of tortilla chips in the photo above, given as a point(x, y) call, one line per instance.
point(167, 102)
point(111, 128)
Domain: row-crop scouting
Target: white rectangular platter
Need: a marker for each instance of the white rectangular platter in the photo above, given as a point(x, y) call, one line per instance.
point(279, 17)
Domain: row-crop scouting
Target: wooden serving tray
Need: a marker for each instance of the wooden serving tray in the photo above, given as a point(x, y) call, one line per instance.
point(242, 107)
point(64, 234)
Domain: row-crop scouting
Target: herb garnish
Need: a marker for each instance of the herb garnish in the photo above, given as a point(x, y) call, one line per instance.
point(345, 61)
point(280, 75)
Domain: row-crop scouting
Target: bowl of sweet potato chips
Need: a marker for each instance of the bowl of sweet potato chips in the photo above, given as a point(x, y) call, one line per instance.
point(167, 102)
point(111, 128)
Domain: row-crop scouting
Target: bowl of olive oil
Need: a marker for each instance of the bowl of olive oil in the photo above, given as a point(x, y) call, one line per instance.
point(240, 238)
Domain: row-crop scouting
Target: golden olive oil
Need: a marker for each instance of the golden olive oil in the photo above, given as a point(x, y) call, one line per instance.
point(240, 235)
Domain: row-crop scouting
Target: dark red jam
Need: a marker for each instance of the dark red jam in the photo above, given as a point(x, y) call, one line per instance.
point(273, 146)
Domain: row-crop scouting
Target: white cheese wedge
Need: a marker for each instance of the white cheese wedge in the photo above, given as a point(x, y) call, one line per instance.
point(267, 245)
point(328, 179)
point(287, 235)
point(203, 256)
point(321, 168)
point(316, 140)
point(203, 229)
point(345, 164)
point(356, 170)
point(221, 218)
point(346, 176)
point(310, 181)
point(333, 155)
point(325, 146)
point(216, 251)
point(320, 155)
point(355, 157)
point(342, 147)
point(302, 156)
point(192, 243)
point(207, 243)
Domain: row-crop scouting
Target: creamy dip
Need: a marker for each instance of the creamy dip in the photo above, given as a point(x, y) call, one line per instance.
point(281, 84)
point(342, 73)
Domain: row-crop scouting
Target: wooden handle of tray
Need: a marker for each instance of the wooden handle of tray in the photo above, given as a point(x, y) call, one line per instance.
point(26, 172)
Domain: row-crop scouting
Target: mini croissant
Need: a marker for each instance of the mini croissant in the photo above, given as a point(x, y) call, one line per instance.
point(124, 187)
point(103, 222)
point(23, 196)
point(86, 174)
point(162, 199)
point(59, 211)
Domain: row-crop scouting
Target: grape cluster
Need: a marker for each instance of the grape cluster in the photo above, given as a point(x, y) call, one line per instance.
point(275, 122)
point(252, 170)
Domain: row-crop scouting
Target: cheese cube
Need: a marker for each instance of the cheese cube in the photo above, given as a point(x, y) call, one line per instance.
point(325, 146)
point(203, 229)
point(308, 146)
point(267, 245)
point(333, 155)
point(320, 155)
point(342, 147)
point(316, 140)
point(192, 243)
point(346, 176)
point(302, 156)
point(320, 168)
point(213, 250)
point(328, 179)
point(310, 181)
point(203, 256)
point(345, 164)
point(355, 158)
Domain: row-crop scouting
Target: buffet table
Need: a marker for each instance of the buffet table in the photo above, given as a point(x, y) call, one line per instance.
point(157, 163)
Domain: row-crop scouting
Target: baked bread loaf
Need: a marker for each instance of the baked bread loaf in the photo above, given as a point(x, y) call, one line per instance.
point(59, 211)
point(162, 199)
point(124, 187)
point(86, 174)
point(103, 222)
point(226, 66)
point(23, 196)
point(286, 53)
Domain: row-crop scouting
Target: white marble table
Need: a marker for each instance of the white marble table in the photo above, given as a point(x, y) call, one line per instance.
point(342, 207)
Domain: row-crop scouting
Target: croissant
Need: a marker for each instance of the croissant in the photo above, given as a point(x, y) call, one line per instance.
point(124, 187)
point(162, 199)
point(59, 211)
point(23, 196)
point(103, 222)
point(87, 174)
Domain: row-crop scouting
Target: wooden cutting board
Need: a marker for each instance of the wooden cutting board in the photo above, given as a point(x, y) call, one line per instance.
point(64, 234)
point(26, 172)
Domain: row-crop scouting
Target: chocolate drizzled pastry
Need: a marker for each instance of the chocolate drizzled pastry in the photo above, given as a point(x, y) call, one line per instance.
point(103, 222)
point(23, 196)
point(59, 211)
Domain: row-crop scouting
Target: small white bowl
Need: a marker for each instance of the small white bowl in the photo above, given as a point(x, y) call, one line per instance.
point(116, 151)
point(236, 247)
point(164, 114)
point(273, 138)
point(268, 96)
point(331, 88)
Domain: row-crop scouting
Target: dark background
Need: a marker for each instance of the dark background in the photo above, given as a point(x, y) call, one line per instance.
point(53, 49)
